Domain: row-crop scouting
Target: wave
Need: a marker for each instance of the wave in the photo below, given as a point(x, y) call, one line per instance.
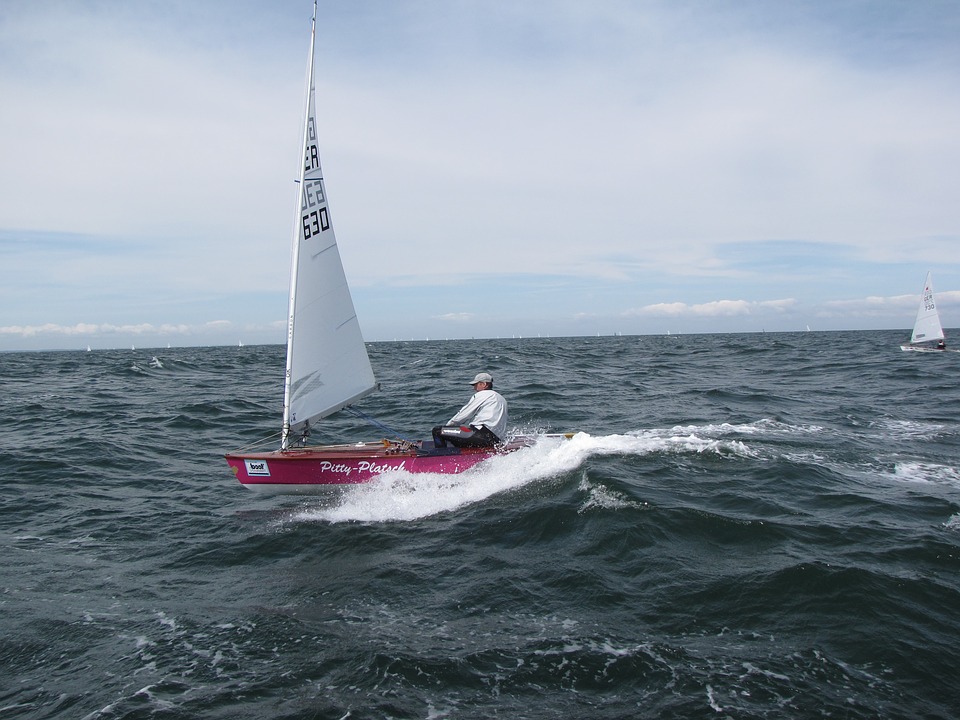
point(404, 496)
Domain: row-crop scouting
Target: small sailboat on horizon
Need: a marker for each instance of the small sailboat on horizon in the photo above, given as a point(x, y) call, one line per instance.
point(927, 335)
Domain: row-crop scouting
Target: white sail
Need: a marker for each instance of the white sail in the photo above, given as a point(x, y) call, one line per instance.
point(927, 326)
point(327, 363)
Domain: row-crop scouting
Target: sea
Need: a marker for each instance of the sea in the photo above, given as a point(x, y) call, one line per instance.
point(754, 525)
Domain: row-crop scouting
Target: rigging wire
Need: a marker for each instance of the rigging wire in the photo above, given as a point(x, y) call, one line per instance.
point(375, 423)
point(301, 440)
point(270, 439)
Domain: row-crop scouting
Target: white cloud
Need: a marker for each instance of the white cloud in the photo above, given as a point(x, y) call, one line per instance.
point(878, 306)
point(109, 329)
point(665, 309)
point(715, 308)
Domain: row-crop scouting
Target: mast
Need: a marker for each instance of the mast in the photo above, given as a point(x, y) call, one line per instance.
point(295, 253)
point(328, 367)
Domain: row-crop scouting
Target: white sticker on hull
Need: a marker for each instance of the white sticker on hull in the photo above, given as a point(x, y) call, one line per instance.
point(257, 468)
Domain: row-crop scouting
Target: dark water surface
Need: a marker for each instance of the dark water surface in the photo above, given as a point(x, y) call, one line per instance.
point(750, 526)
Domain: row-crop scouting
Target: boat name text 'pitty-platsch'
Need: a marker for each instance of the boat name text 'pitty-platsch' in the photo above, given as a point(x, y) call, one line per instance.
point(362, 467)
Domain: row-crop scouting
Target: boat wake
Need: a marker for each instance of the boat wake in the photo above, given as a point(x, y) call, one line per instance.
point(402, 496)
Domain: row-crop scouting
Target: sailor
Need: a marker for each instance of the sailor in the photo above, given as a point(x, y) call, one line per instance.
point(482, 422)
point(941, 345)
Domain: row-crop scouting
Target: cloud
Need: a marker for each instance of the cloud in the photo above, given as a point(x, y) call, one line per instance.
point(716, 308)
point(878, 306)
point(107, 329)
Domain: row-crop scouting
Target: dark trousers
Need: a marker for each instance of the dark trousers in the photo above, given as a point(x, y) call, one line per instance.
point(458, 436)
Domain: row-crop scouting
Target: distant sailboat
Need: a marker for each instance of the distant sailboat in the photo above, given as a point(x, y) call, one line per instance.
point(926, 328)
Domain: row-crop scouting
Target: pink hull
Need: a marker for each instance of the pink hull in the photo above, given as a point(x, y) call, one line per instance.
point(327, 468)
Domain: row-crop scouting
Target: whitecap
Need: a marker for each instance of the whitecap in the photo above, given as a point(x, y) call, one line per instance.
point(926, 472)
point(912, 429)
point(603, 498)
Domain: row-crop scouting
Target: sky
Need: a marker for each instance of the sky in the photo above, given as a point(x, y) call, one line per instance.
point(494, 169)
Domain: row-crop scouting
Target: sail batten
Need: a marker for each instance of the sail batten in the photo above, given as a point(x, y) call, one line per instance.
point(327, 363)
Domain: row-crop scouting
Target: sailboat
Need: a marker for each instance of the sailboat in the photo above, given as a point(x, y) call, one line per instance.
point(927, 333)
point(327, 366)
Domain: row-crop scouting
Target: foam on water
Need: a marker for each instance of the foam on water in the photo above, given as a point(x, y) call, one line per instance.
point(404, 496)
point(912, 429)
point(399, 495)
point(603, 498)
point(925, 472)
point(764, 426)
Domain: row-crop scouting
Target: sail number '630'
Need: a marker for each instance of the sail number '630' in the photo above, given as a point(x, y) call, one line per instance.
point(315, 223)
point(318, 220)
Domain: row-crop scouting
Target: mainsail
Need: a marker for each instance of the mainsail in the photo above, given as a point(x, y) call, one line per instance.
point(327, 363)
point(927, 326)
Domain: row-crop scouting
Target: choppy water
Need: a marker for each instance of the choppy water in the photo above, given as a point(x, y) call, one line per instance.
point(750, 526)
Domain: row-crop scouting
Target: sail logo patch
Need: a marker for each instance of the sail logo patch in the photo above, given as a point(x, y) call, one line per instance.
point(257, 468)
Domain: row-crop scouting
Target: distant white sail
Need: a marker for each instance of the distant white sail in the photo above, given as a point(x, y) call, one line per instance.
point(927, 326)
point(327, 363)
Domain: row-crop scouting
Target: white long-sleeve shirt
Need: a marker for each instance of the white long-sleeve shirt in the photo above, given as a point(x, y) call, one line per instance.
point(486, 408)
